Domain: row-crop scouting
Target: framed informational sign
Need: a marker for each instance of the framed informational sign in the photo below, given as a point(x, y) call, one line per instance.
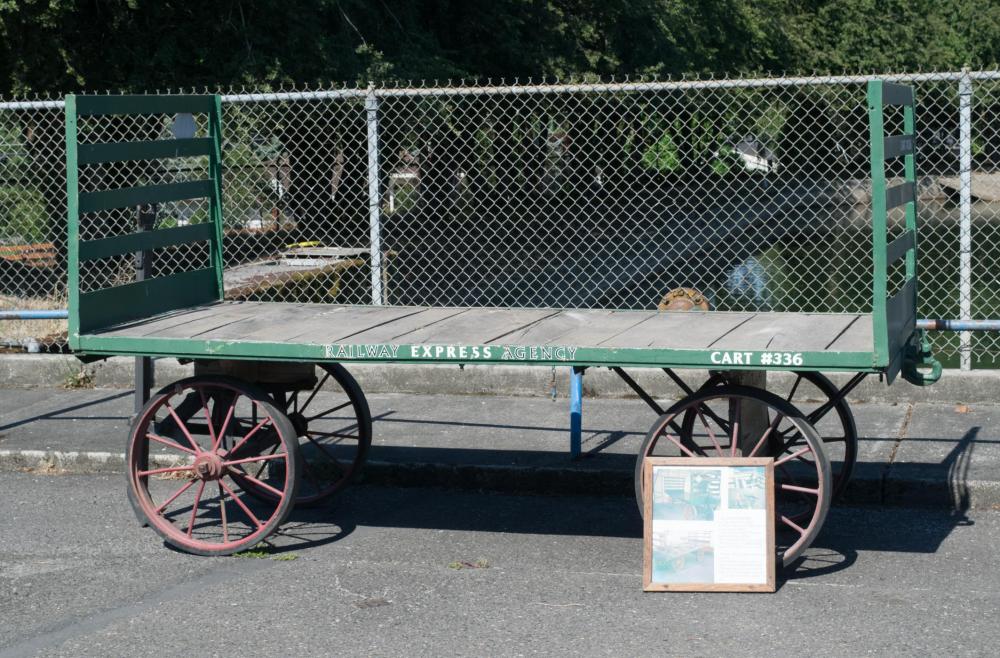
point(709, 524)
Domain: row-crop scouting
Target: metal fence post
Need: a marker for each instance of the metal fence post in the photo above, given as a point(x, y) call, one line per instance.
point(965, 215)
point(374, 195)
point(144, 372)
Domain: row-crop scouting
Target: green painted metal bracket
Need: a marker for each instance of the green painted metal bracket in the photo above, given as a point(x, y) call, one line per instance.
point(920, 368)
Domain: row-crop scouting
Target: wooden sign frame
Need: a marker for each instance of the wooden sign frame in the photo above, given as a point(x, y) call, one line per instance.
point(700, 550)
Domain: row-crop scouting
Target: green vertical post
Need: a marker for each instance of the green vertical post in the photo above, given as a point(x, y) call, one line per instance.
point(876, 137)
point(215, 200)
point(72, 223)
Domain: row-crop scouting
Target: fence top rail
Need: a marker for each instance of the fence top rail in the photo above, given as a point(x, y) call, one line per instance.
point(517, 88)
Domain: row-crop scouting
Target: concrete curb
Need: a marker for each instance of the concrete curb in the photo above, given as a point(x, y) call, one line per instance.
point(865, 489)
point(52, 370)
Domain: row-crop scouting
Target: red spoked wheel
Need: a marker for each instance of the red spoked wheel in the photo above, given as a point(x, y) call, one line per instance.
point(803, 482)
point(334, 427)
point(188, 453)
point(833, 420)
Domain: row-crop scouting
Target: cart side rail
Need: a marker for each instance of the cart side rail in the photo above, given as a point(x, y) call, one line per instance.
point(94, 309)
point(893, 311)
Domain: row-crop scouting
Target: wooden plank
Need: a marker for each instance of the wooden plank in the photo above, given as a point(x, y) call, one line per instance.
point(223, 315)
point(478, 326)
point(233, 326)
point(898, 145)
point(785, 332)
point(391, 331)
point(144, 240)
point(897, 248)
point(147, 326)
point(143, 104)
point(133, 196)
point(899, 194)
point(593, 333)
point(679, 330)
point(320, 324)
point(857, 337)
point(103, 308)
point(556, 328)
point(895, 94)
point(151, 150)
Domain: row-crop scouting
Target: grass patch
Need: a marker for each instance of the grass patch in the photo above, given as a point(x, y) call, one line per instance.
point(264, 554)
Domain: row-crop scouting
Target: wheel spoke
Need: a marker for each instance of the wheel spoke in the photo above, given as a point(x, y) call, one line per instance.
point(222, 509)
point(261, 458)
point(676, 442)
point(328, 411)
point(249, 434)
point(264, 465)
point(791, 393)
point(174, 497)
point(305, 404)
point(225, 423)
point(208, 418)
point(806, 490)
point(171, 444)
point(182, 426)
point(333, 434)
point(323, 449)
point(767, 432)
point(788, 458)
point(170, 469)
point(263, 485)
point(194, 508)
point(711, 434)
point(734, 436)
point(791, 524)
point(241, 505)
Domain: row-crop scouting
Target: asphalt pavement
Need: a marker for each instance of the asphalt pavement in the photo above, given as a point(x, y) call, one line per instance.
point(454, 544)
point(388, 571)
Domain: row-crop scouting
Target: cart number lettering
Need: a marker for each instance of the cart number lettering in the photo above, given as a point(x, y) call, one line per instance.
point(763, 359)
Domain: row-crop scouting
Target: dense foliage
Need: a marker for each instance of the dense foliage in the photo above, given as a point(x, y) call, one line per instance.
point(65, 45)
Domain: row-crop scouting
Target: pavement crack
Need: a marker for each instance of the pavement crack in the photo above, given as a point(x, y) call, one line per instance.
point(900, 435)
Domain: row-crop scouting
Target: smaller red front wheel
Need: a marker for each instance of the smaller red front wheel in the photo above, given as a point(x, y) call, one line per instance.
point(188, 453)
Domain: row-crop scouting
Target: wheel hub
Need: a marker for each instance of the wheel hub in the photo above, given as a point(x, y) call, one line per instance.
point(209, 466)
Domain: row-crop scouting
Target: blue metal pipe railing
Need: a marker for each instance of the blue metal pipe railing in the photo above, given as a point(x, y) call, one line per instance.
point(959, 325)
point(57, 314)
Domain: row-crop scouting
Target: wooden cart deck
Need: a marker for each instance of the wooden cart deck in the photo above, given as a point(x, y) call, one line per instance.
point(466, 335)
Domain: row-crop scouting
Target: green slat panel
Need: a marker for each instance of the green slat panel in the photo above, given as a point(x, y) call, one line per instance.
point(163, 148)
point(103, 308)
point(134, 196)
point(898, 145)
point(144, 240)
point(142, 104)
point(898, 247)
point(893, 94)
point(899, 194)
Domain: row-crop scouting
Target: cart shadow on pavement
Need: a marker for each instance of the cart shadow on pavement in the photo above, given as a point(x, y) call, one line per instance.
point(848, 531)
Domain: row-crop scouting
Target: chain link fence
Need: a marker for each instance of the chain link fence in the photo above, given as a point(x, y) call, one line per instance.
point(754, 192)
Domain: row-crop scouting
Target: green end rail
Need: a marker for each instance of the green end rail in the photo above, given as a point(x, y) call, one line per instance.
point(105, 307)
point(893, 316)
